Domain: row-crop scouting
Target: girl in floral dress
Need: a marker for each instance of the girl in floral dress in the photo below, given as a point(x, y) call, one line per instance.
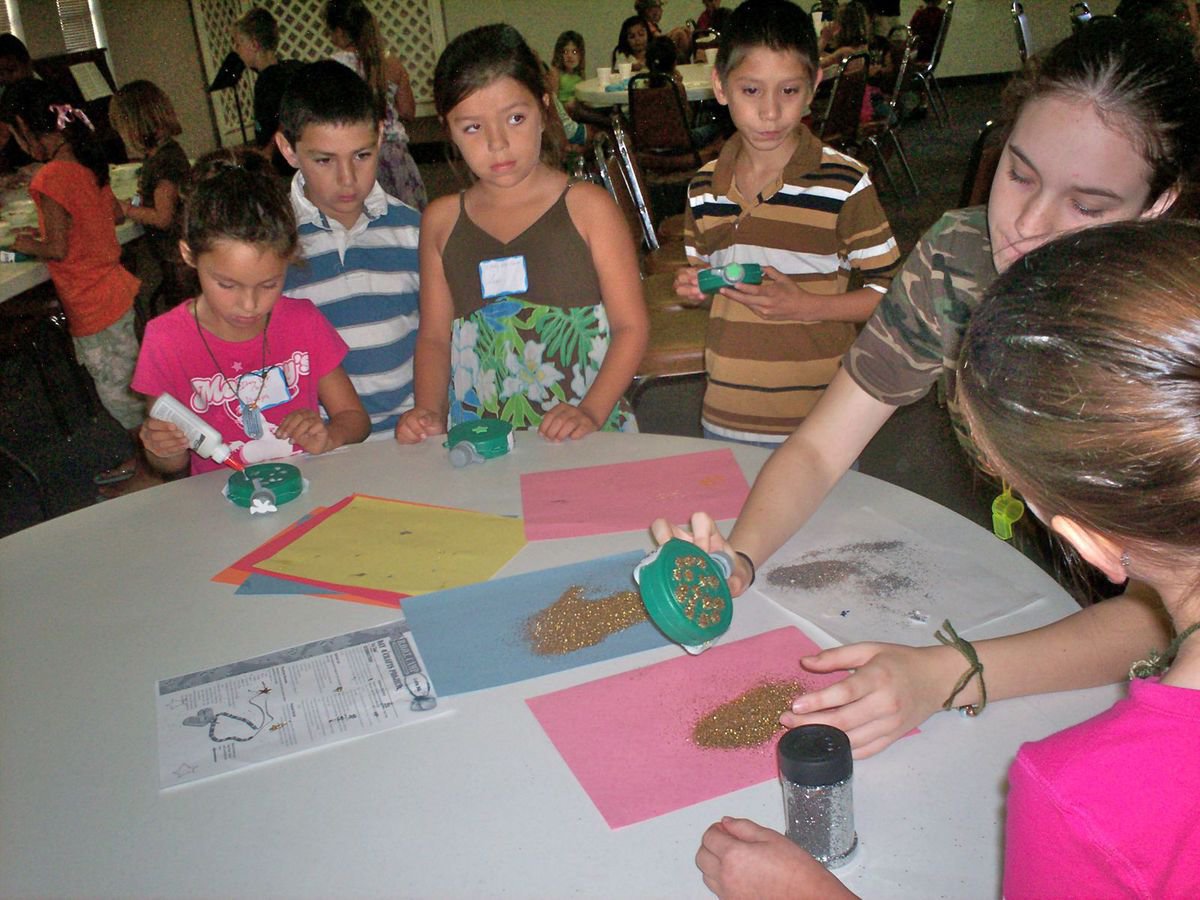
point(531, 304)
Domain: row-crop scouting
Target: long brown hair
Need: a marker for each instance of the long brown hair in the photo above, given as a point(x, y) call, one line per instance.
point(1080, 379)
point(356, 20)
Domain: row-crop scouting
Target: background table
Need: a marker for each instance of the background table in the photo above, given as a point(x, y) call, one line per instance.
point(697, 81)
point(98, 605)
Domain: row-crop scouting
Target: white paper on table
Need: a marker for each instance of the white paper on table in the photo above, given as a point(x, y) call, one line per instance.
point(281, 703)
point(91, 83)
point(862, 576)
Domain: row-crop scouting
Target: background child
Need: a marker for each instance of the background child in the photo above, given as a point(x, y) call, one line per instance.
point(632, 42)
point(356, 35)
point(1079, 380)
point(1066, 166)
point(251, 363)
point(359, 246)
point(145, 119)
point(77, 240)
point(925, 24)
point(531, 305)
point(569, 65)
point(777, 197)
point(256, 41)
point(847, 35)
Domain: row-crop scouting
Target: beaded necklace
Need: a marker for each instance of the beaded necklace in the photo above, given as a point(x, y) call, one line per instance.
point(1158, 662)
point(252, 419)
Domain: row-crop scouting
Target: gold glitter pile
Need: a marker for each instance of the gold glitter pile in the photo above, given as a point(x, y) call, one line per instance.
point(571, 623)
point(748, 720)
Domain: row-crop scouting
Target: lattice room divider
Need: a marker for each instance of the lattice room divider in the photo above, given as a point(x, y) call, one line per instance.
point(412, 29)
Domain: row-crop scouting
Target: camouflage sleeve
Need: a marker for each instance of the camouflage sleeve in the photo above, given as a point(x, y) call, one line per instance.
point(917, 329)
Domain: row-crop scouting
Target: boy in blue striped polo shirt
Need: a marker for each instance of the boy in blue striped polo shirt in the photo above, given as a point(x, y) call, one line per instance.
point(358, 244)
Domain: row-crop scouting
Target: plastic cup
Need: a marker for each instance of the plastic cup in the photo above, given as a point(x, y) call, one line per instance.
point(710, 56)
point(626, 69)
point(604, 74)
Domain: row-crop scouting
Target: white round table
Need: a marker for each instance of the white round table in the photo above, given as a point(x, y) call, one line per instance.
point(98, 605)
point(697, 81)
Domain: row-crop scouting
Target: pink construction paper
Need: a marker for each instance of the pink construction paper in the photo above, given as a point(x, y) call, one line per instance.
point(627, 738)
point(629, 496)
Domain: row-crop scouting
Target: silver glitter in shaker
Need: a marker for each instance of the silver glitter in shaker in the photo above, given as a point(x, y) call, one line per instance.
point(816, 771)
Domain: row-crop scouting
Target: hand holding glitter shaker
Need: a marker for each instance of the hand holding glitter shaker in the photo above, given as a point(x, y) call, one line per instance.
point(816, 771)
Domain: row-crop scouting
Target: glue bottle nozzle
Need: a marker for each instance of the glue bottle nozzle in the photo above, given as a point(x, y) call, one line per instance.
point(234, 464)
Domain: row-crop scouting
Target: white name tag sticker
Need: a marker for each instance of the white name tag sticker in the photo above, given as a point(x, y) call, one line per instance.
point(498, 277)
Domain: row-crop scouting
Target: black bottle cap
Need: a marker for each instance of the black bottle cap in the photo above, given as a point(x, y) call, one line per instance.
point(814, 755)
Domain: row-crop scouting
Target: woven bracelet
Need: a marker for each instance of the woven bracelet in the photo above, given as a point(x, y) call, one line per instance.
point(964, 647)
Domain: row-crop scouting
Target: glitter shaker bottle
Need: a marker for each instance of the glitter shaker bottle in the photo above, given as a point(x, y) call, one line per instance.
point(816, 769)
point(686, 593)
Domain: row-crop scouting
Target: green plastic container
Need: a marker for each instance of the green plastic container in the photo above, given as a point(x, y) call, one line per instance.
point(265, 485)
point(479, 440)
point(686, 593)
point(712, 280)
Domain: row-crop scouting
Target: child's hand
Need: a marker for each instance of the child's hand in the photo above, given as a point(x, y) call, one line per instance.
point(566, 422)
point(419, 423)
point(741, 859)
point(705, 535)
point(687, 286)
point(777, 299)
point(163, 439)
point(892, 690)
point(307, 430)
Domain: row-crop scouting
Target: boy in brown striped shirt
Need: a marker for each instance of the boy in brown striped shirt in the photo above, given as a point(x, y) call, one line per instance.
point(807, 214)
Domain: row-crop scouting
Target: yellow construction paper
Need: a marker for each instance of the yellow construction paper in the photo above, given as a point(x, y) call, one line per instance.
point(408, 548)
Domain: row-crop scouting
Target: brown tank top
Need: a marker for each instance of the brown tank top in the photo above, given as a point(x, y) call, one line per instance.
point(558, 262)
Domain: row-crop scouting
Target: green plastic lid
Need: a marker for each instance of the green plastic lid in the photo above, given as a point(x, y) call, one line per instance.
point(489, 437)
point(685, 593)
point(276, 483)
point(734, 272)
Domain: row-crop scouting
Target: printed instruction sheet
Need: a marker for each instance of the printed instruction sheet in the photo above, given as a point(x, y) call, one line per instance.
point(319, 693)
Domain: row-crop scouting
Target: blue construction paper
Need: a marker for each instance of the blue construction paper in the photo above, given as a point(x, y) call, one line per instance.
point(257, 583)
point(473, 637)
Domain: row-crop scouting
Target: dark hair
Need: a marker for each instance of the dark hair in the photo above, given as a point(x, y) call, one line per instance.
point(569, 37)
point(325, 93)
point(660, 55)
point(854, 24)
point(12, 47)
point(623, 37)
point(40, 105)
point(354, 18)
point(235, 195)
point(1141, 81)
point(476, 58)
point(1080, 379)
point(143, 116)
point(261, 27)
point(775, 24)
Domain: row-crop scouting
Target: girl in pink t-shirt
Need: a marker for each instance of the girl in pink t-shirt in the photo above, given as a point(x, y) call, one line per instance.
point(1080, 381)
point(250, 362)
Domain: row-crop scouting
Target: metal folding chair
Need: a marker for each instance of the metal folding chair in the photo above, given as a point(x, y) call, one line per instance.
point(924, 74)
point(887, 128)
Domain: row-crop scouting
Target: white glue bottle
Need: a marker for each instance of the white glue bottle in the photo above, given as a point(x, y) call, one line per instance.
point(205, 440)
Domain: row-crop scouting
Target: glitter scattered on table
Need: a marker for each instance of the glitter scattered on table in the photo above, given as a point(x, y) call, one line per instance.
point(817, 574)
point(572, 622)
point(748, 720)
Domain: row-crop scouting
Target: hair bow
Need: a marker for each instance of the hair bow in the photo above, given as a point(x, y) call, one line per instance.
point(66, 112)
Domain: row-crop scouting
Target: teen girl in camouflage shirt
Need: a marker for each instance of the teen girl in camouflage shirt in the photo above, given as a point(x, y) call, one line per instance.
point(1105, 129)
